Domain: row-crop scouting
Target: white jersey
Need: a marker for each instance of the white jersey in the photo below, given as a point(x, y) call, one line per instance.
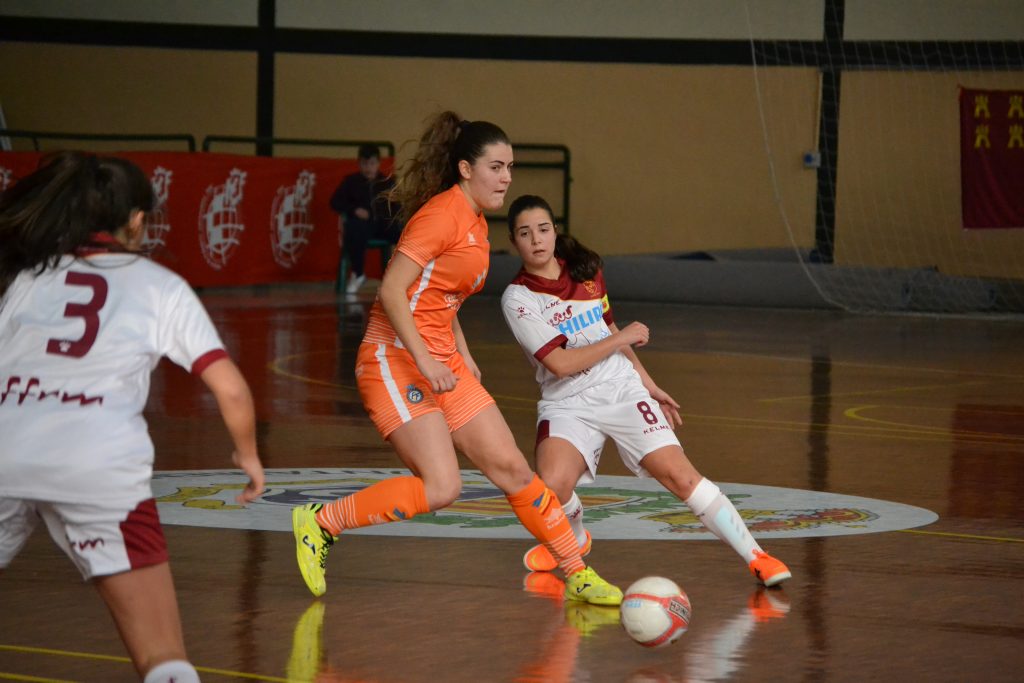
point(546, 314)
point(77, 346)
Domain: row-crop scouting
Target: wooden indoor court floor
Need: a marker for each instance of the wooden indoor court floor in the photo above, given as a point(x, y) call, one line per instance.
point(926, 412)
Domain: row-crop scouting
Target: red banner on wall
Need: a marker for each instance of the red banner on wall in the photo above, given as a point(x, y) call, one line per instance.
point(225, 219)
point(992, 158)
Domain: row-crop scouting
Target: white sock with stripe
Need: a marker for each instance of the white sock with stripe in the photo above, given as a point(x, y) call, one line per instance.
point(722, 519)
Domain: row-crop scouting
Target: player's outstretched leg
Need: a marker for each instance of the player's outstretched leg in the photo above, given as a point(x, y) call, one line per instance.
point(721, 517)
point(312, 543)
point(671, 467)
point(317, 526)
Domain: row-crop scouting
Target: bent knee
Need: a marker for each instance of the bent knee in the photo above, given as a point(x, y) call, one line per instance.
point(443, 493)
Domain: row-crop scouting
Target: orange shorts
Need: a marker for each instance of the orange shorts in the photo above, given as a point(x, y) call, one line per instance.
point(395, 392)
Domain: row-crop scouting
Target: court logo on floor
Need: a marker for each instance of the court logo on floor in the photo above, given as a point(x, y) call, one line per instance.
point(616, 507)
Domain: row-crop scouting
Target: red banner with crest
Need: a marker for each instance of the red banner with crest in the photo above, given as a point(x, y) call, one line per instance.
point(225, 219)
point(992, 158)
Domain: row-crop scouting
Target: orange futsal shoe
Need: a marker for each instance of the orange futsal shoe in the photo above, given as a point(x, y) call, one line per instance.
point(539, 558)
point(768, 570)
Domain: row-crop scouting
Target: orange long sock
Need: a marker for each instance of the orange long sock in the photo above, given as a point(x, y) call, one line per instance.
point(538, 509)
point(390, 500)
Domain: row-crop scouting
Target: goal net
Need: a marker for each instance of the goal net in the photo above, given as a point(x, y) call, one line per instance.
point(862, 132)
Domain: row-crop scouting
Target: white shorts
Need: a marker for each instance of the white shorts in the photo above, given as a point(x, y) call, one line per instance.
point(100, 540)
point(623, 411)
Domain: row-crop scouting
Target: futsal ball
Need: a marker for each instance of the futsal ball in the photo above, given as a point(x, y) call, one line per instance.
point(655, 611)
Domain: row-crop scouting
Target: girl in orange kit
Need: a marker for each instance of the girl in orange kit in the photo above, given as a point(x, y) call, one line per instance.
point(415, 373)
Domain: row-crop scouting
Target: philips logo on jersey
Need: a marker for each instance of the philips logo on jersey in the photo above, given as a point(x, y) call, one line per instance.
point(33, 389)
point(88, 544)
point(576, 323)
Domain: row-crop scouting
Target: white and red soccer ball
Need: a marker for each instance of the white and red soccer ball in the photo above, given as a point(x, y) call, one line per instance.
point(655, 611)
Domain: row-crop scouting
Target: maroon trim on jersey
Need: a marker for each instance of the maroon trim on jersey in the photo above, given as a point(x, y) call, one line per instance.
point(558, 342)
point(567, 289)
point(609, 319)
point(207, 359)
point(543, 431)
point(101, 243)
point(143, 536)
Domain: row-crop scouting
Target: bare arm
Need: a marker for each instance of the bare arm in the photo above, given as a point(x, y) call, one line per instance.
point(463, 347)
point(402, 271)
point(565, 362)
point(234, 399)
point(668, 404)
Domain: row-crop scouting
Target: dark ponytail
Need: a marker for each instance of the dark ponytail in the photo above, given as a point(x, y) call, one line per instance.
point(447, 140)
point(55, 210)
point(583, 263)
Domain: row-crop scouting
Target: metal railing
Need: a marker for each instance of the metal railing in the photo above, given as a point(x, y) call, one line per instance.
point(563, 163)
point(269, 142)
point(35, 136)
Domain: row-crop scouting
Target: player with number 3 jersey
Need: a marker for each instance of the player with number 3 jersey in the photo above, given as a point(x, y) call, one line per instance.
point(593, 386)
point(84, 319)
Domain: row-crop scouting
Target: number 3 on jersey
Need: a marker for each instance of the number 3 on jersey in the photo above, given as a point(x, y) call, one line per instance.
point(88, 312)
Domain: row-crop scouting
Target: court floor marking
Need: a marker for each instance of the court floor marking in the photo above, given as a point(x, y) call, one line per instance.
point(877, 392)
point(855, 414)
point(975, 537)
point(35, 679)
point(26, 649)
point(887, 429)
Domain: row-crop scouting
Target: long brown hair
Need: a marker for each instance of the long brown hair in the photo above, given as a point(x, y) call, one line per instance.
point(447, 140)
point(55, 210)
point(583, 263)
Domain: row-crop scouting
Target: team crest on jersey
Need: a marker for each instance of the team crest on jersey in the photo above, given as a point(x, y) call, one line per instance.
point(413, 394)
point(290, 222)
point(157, 223)
point(220, 220)
point(5, 178)
point(453, 300)
point(590, 286)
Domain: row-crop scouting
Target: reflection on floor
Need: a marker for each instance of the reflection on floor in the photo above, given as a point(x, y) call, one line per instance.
point(921, 411)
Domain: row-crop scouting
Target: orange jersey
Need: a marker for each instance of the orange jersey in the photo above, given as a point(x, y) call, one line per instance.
point(449, 241)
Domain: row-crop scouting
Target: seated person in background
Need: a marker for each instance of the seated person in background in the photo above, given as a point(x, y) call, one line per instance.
point(367, 215)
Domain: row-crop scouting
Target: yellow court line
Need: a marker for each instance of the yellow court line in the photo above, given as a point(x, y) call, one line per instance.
point(274, 367)
point(1001, 539)
point(124, 660)
point(889, 429)
point(5, 676)
point(64, 653)
point(854, 414)
point(875, 392)
point(905, 432)
point(872, 366)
